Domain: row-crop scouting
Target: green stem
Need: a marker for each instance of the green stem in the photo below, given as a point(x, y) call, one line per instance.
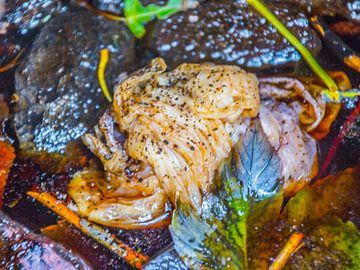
point(309, 58)
point(338, 95)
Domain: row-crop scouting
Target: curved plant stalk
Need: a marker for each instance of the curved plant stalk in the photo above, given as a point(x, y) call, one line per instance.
point(97, 233)
point(339, 95)
point(306, 54)
point(291, 246)
point(104, 59)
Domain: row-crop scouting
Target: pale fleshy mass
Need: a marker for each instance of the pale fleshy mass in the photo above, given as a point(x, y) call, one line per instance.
point(167, 133)
point(180, 125)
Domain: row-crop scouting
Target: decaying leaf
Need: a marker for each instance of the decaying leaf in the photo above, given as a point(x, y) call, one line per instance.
point(333, 195)
point(332, 244)
point(7, 151)
point(7, 156)
point(315, 212)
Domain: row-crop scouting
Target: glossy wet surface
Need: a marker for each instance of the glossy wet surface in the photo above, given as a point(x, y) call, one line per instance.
point(231, 33)
point(59, 94)
point(72, 65)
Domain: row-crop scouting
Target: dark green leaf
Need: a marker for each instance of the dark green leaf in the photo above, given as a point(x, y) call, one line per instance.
point(240, 228)
point(218, 239)
point(201, 245)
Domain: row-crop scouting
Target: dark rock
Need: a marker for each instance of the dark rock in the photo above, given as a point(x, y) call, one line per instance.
point(232, 33)
point(117, 6)
point(4, 116)
point(26, 175)
point(10, 46)
point(60, 97)
point(168, 259)
point(21, 249)
point(28, 15)
point(353, 135)
point(148, 241)
point(21, 20)
point(349, 9)
point(97, 255)
point(353, 10)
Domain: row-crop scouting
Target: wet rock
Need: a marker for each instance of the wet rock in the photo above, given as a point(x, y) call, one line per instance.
point(27, 15)
point(117, 6)
point(98, 256)
point(353, 10)
point(349, 9)
point(353, 135)
point(232, 33)
point(148, 241)
point(168, 259)
point(2, 8)
point(10, 46)
point(21, 249)
point(4, 116)
point(59, 94)
point(26, 175)
point(20, 20)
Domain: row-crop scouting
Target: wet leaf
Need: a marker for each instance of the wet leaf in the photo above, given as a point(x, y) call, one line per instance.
point(257, 165)
point(311, 211)
point(242, 226)
point(249, 180)
point(332, 244)
point(333, 195)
